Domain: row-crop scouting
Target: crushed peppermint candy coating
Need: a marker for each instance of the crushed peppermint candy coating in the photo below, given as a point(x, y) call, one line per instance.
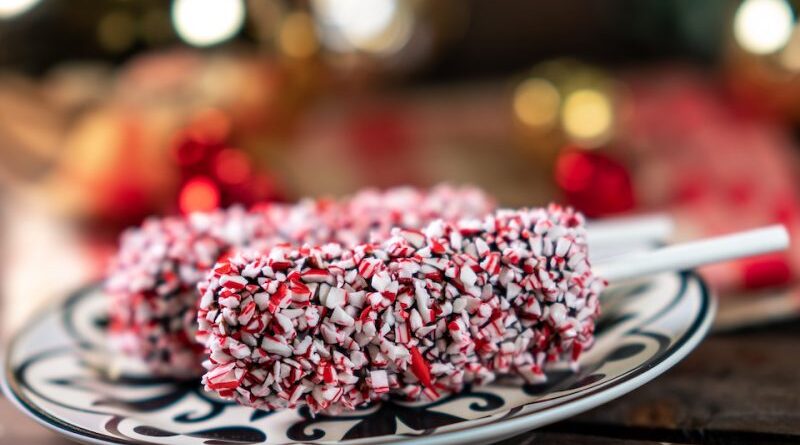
point(418, 315)
point(153, 279)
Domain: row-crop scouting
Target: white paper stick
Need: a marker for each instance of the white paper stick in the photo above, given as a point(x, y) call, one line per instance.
point(628, 231)
point(696, 253)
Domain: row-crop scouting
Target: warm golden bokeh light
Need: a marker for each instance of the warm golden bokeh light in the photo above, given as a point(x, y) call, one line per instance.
point(536, 103)
point(587, 116)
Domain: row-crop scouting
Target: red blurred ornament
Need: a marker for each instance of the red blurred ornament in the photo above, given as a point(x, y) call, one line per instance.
point(197, 144)
point(213, 173)
point(594, 183)
point(232, 166)
point(765, 271)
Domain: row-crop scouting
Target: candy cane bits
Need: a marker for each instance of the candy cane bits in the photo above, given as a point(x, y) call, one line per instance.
point(417, 315)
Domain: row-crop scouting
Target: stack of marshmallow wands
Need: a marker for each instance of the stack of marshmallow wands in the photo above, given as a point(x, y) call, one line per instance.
point(422, 313)
point(152, 281)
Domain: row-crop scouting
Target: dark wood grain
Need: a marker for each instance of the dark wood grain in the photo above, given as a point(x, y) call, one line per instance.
point(735, 388)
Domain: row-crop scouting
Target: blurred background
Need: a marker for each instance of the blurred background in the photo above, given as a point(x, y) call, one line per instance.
point(112, 110)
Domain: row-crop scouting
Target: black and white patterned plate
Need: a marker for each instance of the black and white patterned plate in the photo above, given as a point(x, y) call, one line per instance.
point(59, 371)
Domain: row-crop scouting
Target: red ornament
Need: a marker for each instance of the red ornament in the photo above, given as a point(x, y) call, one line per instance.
point(232, 166)
point(213, 173)
point(594, 183)
point(766, 271)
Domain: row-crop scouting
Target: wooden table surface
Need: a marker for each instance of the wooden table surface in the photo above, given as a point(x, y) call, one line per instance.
point(735, 388)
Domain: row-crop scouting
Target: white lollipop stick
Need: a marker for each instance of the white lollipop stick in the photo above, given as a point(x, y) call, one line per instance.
point(693, 254)
point(629, 230)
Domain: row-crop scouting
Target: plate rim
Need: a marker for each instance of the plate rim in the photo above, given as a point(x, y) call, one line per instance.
point(499, 428)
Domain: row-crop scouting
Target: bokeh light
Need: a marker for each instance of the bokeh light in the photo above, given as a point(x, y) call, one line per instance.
point(13, 8)
point(207, 22)
point(763, 26)
point(360, 20)
point(375, 26)
point(587, 116)
point(536, 103)
point(199, 194)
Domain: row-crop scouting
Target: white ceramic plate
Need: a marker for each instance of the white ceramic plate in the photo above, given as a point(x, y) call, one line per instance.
point(60, 372)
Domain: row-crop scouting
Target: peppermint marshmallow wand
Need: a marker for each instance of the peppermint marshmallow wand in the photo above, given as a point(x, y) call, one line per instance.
point(422, 314)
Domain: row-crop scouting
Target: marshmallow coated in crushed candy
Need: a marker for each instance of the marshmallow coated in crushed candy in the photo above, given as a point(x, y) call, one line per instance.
point(153, 279)
point(418, 315)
